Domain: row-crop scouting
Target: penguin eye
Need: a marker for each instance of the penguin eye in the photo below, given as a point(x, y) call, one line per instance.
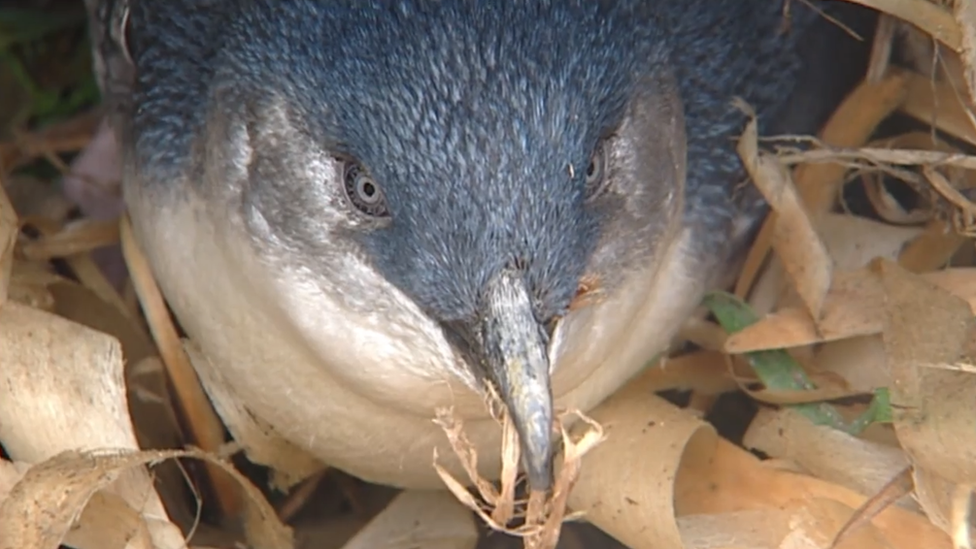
point(363, 191)
point(596, 172)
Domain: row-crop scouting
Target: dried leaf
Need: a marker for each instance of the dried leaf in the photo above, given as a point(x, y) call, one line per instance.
point(929, 16)
point(419, 519)
point(46, 502)
point(627, 483)
point(732, 480)
point(938, 103)
point(965, 13)
point(61, 389)
point(935, 496)
point(925, 325)
point(704, 372)
point(777, 369)
point(854, 307)
point(10, 473)
point(41, 509)
point(753, 529)
point(853, 242)
point(108, 521)
point(932, 249)
point(794, 239)
point(826, 453)
point(859, 361)
point(851, 125)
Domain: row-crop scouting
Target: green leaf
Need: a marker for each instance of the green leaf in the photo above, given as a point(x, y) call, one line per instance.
point(778, 371)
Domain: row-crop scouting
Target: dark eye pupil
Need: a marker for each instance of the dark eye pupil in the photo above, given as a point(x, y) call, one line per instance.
point(591, 168)
point(368, 189)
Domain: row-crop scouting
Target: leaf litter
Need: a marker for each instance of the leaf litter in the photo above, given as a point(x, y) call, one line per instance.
point(852, 336)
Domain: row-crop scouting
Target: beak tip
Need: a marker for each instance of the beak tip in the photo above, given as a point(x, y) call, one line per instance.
point(538, 470)
point(535, 432)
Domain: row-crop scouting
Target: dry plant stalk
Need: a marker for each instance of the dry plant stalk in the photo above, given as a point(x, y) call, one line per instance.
point(204, 424)
point(884, 37)
point(67, 137)
point(544, 513)
point(90, 276)
point(966, 213)
point(63, 389)
point(933, 248)
point(74, 244)
point(871, 157)
point(897, 488)
point(79, 237)
point(842, 314)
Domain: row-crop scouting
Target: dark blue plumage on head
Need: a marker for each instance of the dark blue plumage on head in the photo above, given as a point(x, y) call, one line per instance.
point(478, 118)
point(471, 131)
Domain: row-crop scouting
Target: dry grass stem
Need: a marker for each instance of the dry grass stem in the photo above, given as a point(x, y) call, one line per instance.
point(204, 423)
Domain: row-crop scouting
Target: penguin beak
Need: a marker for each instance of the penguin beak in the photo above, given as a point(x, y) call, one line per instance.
point(511, 349)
